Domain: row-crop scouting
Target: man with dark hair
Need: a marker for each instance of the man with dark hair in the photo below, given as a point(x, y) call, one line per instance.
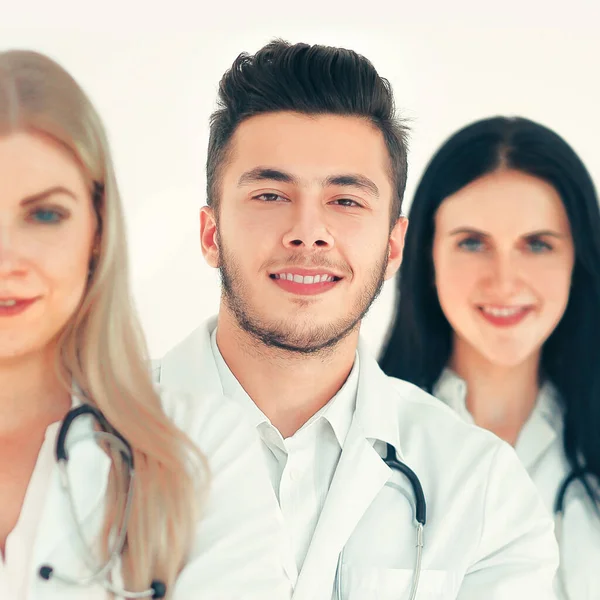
point(306, 173)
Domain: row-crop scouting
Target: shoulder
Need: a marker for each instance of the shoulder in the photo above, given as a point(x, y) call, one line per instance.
point(187, 353)
point(412, 394)
point(435, 418)
point(434, 439)
point(425, 427)
point(211, 420)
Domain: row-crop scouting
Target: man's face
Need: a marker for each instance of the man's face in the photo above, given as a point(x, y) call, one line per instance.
point(302, 235)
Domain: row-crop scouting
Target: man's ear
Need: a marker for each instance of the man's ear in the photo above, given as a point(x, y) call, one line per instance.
point(396, 247)
point(209, 236)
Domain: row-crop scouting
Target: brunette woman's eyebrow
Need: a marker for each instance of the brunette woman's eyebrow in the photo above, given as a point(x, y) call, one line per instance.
point(470, 230)
point(544, 233)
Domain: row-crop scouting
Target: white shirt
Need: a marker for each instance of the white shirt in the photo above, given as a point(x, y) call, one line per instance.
point(302, 466)
point(14, 569)
point(539, 446)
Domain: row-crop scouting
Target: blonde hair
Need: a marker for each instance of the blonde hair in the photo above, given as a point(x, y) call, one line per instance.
point(102, 350)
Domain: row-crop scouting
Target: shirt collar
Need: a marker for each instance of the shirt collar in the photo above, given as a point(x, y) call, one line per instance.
point(233, 388)
point(338, 412)
point(452, 390)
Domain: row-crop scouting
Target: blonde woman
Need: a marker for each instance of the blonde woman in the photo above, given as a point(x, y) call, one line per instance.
point(107, 489)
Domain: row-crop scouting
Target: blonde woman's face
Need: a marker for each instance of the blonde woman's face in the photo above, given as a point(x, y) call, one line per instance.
point(47, 230)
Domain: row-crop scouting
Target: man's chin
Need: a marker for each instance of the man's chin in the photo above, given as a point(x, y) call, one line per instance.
point(303, 338)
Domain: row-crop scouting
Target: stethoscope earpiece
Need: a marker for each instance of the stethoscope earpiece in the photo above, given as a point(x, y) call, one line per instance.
point(158, 588)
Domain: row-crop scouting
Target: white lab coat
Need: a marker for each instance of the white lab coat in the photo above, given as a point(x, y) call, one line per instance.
point(482, 540)
point(540, 448)
point(236, 553)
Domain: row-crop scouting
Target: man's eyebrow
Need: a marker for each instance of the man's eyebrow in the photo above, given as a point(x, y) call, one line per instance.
point(344, 180)
point(354, 180)
point(39, 196)
point(266, 174)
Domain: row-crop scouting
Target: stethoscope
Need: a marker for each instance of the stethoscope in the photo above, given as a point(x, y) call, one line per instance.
point(98, 573)
point(420, 518)
point(559, 513)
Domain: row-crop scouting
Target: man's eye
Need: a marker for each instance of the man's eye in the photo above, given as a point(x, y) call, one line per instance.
point(269, 197)
point(346, 202)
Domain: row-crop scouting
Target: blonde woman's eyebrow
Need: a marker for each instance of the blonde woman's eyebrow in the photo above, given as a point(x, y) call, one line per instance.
point(45, 194)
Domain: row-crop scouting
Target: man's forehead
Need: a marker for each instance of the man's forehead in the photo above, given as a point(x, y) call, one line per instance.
point(274, 124)
point(315, 146)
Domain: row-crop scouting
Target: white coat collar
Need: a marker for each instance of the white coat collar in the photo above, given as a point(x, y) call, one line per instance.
point(191, 366)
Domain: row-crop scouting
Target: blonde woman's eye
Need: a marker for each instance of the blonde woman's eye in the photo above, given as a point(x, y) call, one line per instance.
point(47, 216)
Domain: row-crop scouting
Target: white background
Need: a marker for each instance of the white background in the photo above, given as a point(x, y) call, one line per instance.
point(153, 75)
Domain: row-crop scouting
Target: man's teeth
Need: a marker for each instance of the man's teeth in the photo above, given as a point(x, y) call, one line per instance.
point(7, 302)
point(502, 312)
point(306, 278)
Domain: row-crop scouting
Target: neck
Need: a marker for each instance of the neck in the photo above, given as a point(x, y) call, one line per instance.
point(500, 398)
point(288, 387)
point(31, 393)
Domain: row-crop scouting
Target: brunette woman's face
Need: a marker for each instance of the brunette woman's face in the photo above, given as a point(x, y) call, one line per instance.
point(503, 255)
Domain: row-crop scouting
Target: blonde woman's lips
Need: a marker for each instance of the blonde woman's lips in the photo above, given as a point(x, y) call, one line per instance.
point(11, 307)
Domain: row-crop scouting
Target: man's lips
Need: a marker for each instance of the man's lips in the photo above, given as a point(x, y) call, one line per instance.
point(306, 278)
point(305, 282)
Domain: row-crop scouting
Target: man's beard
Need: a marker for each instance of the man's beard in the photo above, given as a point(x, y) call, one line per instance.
point(301, 339)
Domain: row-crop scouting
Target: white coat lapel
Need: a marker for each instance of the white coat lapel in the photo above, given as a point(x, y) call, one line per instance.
point(359, 477)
